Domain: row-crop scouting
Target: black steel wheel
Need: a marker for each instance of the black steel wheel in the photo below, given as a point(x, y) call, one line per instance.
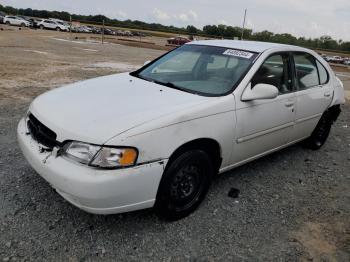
point(184, 185)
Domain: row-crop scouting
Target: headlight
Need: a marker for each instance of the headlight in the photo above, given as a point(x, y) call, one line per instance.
point(100, 156)
point(115, 157)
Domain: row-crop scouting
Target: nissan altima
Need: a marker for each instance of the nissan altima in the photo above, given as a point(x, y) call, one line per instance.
point(157, 136)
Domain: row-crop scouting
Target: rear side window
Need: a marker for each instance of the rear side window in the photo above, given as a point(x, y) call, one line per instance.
point(306, 70)
point(322, 72)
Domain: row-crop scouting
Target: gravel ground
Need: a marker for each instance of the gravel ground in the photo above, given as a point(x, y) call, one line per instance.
point(294, 205)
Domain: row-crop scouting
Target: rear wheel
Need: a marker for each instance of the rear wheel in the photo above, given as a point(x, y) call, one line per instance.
point(184, 185)
point(320, 133)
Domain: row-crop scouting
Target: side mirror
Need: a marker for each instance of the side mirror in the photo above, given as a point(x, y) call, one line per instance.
point(147, 62)
point(259, 91)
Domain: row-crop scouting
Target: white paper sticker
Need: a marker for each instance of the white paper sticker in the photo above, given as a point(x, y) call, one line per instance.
point(238, 53)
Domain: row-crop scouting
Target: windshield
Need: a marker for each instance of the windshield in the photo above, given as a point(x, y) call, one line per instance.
point(205, 70)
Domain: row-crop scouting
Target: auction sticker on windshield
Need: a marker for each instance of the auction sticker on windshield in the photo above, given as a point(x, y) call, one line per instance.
point(238, 53)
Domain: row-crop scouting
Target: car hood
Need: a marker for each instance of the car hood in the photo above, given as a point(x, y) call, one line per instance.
point(98, 109)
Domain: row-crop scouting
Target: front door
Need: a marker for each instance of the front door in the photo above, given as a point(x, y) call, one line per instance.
point(265, 125)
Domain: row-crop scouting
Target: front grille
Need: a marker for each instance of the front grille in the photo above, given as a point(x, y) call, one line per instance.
point(42, 134)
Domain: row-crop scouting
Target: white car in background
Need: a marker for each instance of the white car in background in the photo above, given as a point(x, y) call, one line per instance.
point(156, 137)
point(14, 20)
point(50, 24)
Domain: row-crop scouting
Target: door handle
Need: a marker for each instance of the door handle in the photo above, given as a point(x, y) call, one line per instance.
point(289, 104)
point(327, 94)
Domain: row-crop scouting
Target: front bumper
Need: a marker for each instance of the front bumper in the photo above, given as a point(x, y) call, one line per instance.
point(94, 190)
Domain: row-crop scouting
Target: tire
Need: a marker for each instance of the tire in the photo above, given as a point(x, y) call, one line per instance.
point(23, 25)
point(184, 185)
point(41, 27)
point(321, 132)
point(8, 23)
point(58, 29)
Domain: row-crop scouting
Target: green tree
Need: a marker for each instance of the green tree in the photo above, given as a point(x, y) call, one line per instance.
point(192, 29)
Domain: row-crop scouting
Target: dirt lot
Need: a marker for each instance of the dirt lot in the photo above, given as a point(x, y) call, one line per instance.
point(294, 205)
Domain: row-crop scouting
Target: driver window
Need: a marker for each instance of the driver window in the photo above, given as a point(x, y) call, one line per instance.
point(275, 71)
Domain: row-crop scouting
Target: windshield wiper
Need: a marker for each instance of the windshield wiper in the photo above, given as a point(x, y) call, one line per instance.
point(167, 84)
point(172, 85)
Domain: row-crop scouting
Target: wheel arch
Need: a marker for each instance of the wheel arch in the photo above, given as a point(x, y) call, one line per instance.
point(333, 112)
point(208, 145)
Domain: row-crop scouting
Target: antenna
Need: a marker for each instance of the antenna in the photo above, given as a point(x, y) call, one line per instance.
point(245, 15)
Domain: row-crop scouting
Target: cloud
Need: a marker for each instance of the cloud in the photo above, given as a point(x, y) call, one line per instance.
point(183, 17)
point(160, 15)
point(122, 14)
point(193, 14)
point(223, 22)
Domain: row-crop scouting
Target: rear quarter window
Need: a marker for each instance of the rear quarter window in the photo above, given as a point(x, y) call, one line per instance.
point(323, 73)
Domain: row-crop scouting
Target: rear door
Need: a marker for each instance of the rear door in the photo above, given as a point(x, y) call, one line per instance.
point(314, 93)
point(14, 20)
point(48, 24)
point(265, 125)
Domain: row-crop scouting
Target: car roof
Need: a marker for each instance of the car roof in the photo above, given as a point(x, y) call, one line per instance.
point(252, 46)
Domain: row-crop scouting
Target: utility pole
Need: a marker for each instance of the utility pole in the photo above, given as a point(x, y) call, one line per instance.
point(245, 15)
point(103, 30)
point(70, 27)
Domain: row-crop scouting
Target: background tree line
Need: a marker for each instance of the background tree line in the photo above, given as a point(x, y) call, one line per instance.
point(217, 31)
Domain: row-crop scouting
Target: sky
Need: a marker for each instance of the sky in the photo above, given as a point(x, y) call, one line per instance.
point(309, 18)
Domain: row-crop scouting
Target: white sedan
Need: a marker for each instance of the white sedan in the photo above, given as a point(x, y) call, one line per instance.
point(15, 20)
point(156, 137)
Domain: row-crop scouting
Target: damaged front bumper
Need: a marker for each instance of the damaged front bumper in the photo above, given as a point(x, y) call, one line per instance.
point(94, 190)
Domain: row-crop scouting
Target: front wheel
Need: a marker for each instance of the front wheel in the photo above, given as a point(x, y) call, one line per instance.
point(41, 27)
point(184, 185)
point(8, 23)
point(23, 25)
point(58, 29)
point(320, 133)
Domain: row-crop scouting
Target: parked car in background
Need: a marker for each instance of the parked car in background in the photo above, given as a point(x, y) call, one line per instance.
point(140, 34)
point(108, 31)
point(336, 59)
point(179, 40)
point(65, 24)
point(2, 16)
point(36, 22)
point(96, 30)
point(50, 24)
point(157, 136)
point(15, 20)
point(58, 20)
point(30, 20)
point(347, 62)
point(85, 29)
